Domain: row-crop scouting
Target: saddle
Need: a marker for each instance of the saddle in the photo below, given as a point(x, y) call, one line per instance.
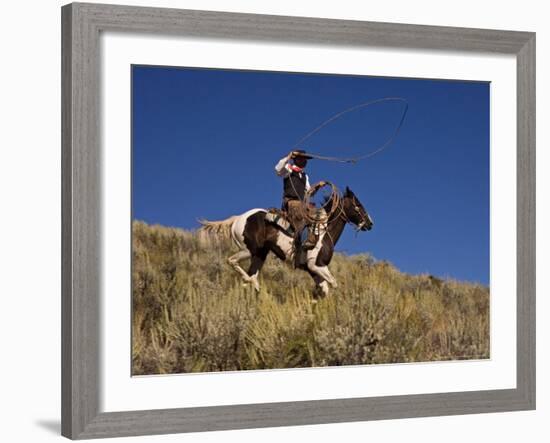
point(279, 218)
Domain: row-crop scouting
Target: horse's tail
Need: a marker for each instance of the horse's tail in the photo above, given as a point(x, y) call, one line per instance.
point(221, 228)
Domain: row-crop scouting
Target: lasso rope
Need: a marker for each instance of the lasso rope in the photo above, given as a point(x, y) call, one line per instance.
point(352, 109)
point(335, 198)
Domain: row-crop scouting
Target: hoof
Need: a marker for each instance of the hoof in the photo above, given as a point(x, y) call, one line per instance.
point(318, 294)
point(323, 289)
point(255, 285)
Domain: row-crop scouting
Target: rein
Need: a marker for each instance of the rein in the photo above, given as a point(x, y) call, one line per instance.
point(336, 205)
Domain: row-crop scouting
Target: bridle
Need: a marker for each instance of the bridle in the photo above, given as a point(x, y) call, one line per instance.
point(342, 214)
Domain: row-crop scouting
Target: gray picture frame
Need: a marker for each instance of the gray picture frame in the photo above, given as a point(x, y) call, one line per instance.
point(81, 230)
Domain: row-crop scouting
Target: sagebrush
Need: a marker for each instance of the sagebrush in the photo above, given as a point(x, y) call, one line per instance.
point(190, 312)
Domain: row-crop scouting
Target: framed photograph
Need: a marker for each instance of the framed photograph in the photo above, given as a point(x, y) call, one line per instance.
point(275, 221)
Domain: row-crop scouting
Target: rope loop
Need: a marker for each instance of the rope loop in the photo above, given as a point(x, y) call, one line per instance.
point(334, 201)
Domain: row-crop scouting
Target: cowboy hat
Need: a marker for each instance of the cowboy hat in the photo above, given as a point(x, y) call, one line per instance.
point(301, 153)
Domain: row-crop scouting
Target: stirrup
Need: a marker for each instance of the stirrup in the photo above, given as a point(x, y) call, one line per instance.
point(311, 241)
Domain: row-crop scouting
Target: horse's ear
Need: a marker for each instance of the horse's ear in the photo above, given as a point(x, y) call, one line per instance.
point(348, 192)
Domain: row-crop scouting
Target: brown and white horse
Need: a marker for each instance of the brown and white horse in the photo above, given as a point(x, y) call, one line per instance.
point(256, 237)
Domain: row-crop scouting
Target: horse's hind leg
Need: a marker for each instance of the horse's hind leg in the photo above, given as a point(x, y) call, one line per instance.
point(256, 263)
point(234, 260)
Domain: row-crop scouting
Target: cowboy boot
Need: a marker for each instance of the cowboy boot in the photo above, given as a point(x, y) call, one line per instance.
point(300, 253)
point(312, 237)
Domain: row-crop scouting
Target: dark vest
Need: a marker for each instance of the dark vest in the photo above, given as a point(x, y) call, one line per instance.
point(295, 185)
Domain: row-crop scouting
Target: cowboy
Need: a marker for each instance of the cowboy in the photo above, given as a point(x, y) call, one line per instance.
point(296, 184)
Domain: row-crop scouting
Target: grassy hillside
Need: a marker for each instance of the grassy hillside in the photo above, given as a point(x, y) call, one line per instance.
point(192, 314)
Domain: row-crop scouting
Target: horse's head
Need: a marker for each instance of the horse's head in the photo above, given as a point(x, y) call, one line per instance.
point(355, 212)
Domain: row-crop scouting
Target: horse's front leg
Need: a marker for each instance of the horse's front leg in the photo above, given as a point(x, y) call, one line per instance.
point(323, 272)
point(234, 260)
point(321, 285)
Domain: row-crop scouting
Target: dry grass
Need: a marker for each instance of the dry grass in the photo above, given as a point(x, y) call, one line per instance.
point(191, 313)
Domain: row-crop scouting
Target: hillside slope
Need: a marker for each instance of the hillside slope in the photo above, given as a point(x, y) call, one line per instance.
point(190, 312)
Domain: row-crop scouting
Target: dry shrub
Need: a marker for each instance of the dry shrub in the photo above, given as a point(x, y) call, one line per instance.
point(190, 312)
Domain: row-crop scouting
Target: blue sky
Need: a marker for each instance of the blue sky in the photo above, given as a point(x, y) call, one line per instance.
point(205, 142)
